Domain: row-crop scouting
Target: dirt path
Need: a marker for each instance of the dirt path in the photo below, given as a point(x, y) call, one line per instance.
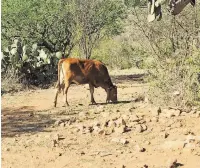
point(35, 134)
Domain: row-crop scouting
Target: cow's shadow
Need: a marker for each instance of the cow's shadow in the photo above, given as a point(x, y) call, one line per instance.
point(118, 102)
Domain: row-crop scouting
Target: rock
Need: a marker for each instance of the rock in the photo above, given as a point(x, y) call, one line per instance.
point(177, 125)
point(101, 132)
point(119, 122)
point(57, 122)
point(132, 124)
point(142, 122)
point(184, 114)
point(76, 130)
point(56, 137)
point(187, 132)
point(126, 118)
point(168, 113)
point(148, 120)
point(72, 120)
point(86, 130)
point(138, 128)
point(176, 93)
point(54, 143)
point(145, 166)
point(155, 111)
point(115, 140)
point(155, 119)
point(124, 141)
point(147, 142)
point(177, 144)
point(197, 115)
point(31, 114)
point(104, 153)
point(96, 129)
point(164, 134)
point(139, 149)
point(132, 109)
point(62, 124)
point(120, 140)
point(111, 124)
point(193, 112)
point(117, 110)
point(94, 153)
point(7, 149)
point(97, 123)
point(190, 138)
point(120, 130)
point(109, 131)
point(80, 127)
point(82, 153)
point(171, 163)
point(146, 100)
point(116, 117)
point(190, 146)
point(144, 127)
point(67, 118)
point(106, 122)
point(134, 118)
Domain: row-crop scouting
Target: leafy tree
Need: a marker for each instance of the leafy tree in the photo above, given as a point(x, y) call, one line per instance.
point(98, 19)
point(49, 23)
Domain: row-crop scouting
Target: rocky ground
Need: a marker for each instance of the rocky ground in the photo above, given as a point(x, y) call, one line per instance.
point(130, 134)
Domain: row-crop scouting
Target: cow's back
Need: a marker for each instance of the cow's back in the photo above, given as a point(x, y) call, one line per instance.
point(85, 71)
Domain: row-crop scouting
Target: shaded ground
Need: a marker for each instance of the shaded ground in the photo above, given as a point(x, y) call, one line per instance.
point(31, 126)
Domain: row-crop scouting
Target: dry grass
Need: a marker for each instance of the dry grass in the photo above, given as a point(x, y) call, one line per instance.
point(10, 82)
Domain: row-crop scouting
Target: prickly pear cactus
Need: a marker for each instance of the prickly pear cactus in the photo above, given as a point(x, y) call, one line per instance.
point(30, 60)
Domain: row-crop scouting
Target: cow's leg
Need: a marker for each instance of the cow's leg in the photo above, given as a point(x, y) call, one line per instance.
point(56, 96)
point(67, 84)
point(108, 96)
point(92, 93)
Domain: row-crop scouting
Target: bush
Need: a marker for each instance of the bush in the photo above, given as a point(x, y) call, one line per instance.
point(10, 82)
point(119, 54)
point(174, 78)
point(35, 65)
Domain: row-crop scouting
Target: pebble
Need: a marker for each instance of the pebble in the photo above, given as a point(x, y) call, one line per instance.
point(134, 118)
point(138, 128)
point(144, 127)
point(120, 129)
point(140, 149)
point(120, 140)
point(171, 163)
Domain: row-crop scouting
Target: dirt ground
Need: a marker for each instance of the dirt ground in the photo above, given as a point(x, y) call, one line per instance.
point(129, 134)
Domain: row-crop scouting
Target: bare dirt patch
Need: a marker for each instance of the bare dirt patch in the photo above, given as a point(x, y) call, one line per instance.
point(128, 134)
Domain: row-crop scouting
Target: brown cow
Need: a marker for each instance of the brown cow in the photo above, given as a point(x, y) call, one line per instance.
point(92, 72)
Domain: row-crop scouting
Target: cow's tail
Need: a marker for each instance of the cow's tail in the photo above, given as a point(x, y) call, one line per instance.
point(59, 66)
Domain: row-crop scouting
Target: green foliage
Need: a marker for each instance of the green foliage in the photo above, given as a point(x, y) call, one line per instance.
point(56, 27)
point(97, 20)
point(49, 23)
point(132, 3)
point(119, 54)
point(34, 64)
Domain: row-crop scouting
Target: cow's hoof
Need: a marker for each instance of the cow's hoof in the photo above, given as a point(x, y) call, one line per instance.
point(54, 104)
point(93, 103)
point(65, 105)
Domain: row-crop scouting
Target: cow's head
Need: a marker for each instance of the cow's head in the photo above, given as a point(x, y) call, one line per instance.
point(112, 94)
